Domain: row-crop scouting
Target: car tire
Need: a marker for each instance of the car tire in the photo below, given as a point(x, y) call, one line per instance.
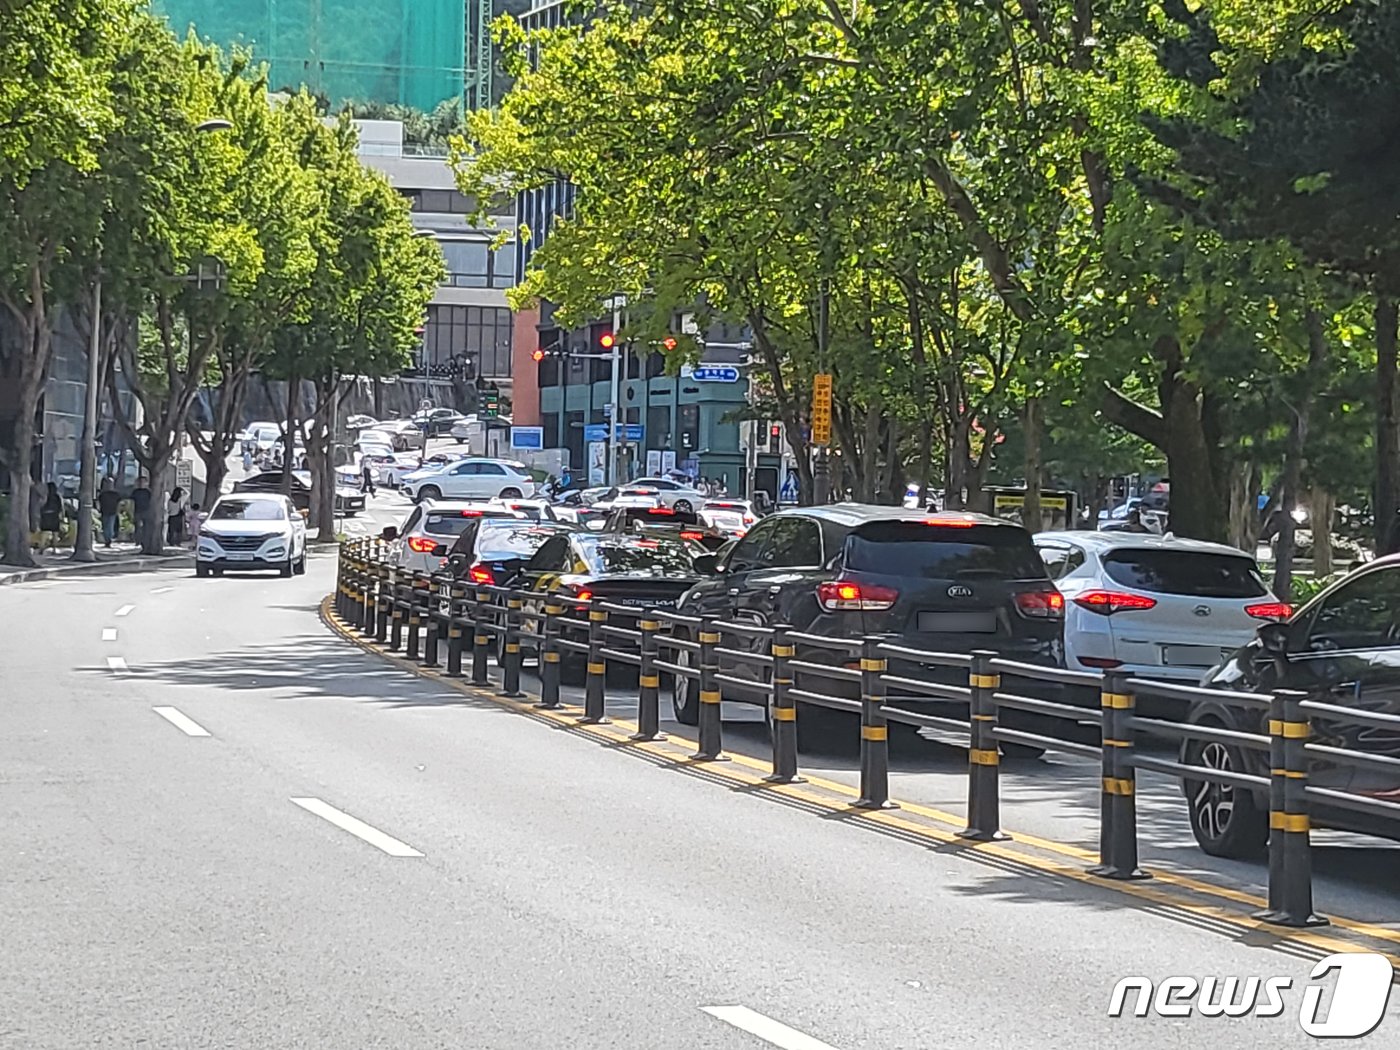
point(1226, 821)
point(300, 567)
point(286, 569)
point(201, 571)
point(427, 492)
point(460, 441)
point(510, 493)
point(682, 506)
point(685, 693)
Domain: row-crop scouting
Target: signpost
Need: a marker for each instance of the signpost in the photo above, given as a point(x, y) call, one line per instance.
point(821, 408)
point(527, 437)
point(715, 374)
point(633, 432)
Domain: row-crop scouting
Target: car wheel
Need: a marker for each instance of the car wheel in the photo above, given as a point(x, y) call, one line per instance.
point(683, 506)
point(201, 571)
point(685, 693)
point(460, 441)
point(511, 493)
point(300, 567)
point(286, 569)
point(1226, 820)
point(427, 492)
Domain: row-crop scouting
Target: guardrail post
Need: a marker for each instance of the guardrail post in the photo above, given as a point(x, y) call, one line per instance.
point(456, 595)
point(783, 710)
point(711, 730)
point(1118, 857)
point(550, 658)
point(510, 651)
point(983, 759)
point(437, 589)
point(371, 596)
point(480, 640)
point(396, 622)
point(874, 731)
point(649, 681)
point(595, 685)
point(415, 615)
point(385, 609)
point(1290, 846)
point(341, 570)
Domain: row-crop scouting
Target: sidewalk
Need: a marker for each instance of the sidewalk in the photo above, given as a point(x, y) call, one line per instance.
point(123, 557)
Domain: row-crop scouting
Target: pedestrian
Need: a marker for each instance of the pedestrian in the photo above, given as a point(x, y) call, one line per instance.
point(194, 519)
point(141, 508)
point(1135, 522)
point(108, 501)
point(51, 519)
point(247, 458)
point(367, 479)
point(175, 517)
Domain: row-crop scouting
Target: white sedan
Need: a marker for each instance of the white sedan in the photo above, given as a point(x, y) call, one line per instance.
point(1154, 606)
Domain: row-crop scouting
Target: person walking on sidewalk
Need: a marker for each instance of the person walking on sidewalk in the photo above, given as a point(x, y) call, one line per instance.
point(108, 501)
point(51, 519)
point(194, 520)
point(175, 517)
point(367, 480)
point(141, 508)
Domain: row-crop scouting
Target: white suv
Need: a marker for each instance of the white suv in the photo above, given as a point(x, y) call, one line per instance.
point(667, 492)
point(473, 479)
point(1154, 606)
point(252, 530)
point(431, 529)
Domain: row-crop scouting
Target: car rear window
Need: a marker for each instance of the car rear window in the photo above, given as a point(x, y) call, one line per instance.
point(660, 516)
point(943, 552)
point(1199, 574)
point(453, 522)
point(644, 557)
point(499, 541)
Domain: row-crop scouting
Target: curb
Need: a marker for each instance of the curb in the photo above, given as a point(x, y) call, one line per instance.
point(1174, 895)
point(80, 567)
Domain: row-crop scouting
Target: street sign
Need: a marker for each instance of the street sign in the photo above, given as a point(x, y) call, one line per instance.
point(607, 411)
point(821, 408)
point(595, 432)
point(715, 374)
point(527, 437)
point(621, 432)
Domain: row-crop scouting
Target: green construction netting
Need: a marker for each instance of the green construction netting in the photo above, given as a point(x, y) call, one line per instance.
point(406, 51)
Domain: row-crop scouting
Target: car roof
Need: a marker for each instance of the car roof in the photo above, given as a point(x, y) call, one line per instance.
point(1106, 541)
point(451, 505)
point(249, 496)
point(852, 515)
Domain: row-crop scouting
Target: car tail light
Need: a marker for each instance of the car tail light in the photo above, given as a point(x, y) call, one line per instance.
point(471, 513)
point(690, 535)
point(480, 574)
point(844, 595)
point(1041, 605)
point(1104, 663)
point(950, 523)
point(1270, 610)
point(1108, 602)
point(749, 519)
point(422, 544)
point(661, 511)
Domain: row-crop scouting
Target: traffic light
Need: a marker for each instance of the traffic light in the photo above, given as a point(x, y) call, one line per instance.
point(538, 355)
point(491, 402)
point(607, 341)
point(669, 342)
point(775, 437)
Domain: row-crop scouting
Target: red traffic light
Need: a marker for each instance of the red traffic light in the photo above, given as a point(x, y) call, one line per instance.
point(538, 355)
point(606, 340)
point(669, 342)
point(775, 430)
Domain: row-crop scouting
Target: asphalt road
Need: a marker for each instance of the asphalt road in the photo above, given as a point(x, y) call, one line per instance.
point(354, 857)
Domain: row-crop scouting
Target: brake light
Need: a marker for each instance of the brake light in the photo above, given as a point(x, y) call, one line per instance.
point(1041, 605)
point(1108, 602)
point(422, 544)
point(846, 595)
point(692, 535)
point(1103, 663)
point(584, 594)
point(661, 511)
point(749, 519)
point(481, 574)
point(1270, 610)
point(950, 523)
point(471, 513)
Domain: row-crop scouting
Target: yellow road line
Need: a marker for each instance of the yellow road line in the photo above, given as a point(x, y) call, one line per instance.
point(618, 731)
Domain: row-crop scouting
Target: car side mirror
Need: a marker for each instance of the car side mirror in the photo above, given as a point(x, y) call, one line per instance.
point(1277, 638)
point(708, 564)
point(457, 562)
point(390, 533)
point(595, 524)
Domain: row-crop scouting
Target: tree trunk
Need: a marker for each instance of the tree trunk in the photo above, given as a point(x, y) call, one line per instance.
point(289, 440)
point(959, 465)
point(925, 460)
point(1322, 505)
point(1030, 509)
point(892, 473)
point(1387, 428)
point(1243, 486)
point(870, 453)
point(31, 359)
point(1293, 454)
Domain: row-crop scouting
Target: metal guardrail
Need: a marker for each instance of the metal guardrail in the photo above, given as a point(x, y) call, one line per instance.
point(417, 614)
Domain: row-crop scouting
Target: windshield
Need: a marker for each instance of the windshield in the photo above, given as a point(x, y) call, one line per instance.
point(501, 541)
point(455, 522)
point(650, 557)
point(941, 552)
point(1199, 574)
point(248, 510)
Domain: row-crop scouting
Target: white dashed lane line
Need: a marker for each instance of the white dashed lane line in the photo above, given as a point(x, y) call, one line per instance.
point(125, 610)
point(181, 721)
point(117, 664)
point(770, 1031)
point(358, 828)
point(162, 590)
point(109, 634)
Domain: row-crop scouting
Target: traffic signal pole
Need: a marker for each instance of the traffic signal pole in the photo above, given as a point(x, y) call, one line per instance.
point(821, 468)
point(612, 420)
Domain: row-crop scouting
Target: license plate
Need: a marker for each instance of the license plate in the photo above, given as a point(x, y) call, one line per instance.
point(1192, 655)
point(240, 557)
point(973, 622)
point(658, 603)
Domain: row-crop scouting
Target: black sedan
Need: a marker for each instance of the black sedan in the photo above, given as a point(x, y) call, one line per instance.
point(348, 501)
point(437, 421)
point(664, 523)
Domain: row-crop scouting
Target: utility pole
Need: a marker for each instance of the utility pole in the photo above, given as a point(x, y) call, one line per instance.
point(821, 469)
point(87, 475)
point(612, 420)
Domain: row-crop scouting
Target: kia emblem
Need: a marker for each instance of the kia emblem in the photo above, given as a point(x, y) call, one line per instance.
point(1201, 610)
point(959, 590)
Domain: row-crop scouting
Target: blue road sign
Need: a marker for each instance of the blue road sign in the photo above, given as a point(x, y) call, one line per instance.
point(622, 432)
point(595, 432)
point(527, 437)
point(715, 374)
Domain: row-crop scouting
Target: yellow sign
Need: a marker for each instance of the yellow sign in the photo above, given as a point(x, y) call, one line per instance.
point(821, 408)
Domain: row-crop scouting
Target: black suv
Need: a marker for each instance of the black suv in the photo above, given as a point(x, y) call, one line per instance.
point(949, 582)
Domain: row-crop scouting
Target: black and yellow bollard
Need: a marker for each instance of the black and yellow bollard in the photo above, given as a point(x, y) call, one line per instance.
point(455, 630)
point(649, 682)
point(711, 726)
point(371, 603)
point(595, 685)
point(983, 758)
point(550, 658)
point(434, 620)
point(782, 709)
point(510, 650)
point(481, 639)
point(1290, 844)
point(385, 608)
point(874, 730)
point(416, 605)
point(1118, 854)
point(400, 610)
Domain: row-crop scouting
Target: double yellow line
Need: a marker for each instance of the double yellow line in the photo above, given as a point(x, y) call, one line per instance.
point(1168, 890)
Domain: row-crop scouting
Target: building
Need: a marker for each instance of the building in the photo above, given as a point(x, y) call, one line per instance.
point(468, 330)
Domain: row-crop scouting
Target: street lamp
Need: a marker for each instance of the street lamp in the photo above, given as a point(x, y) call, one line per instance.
point(217, 124)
